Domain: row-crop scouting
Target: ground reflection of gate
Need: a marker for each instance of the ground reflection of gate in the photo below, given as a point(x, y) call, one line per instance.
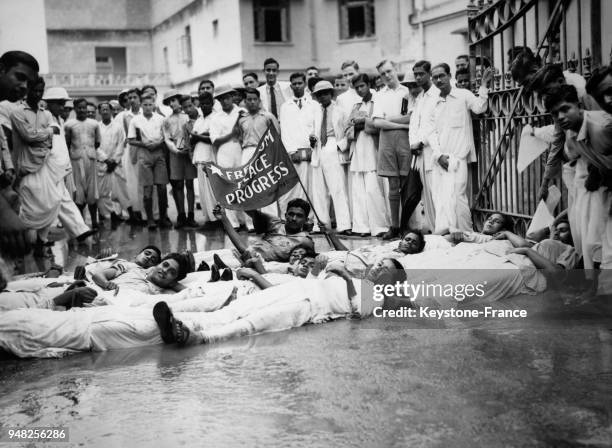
point(567, 32)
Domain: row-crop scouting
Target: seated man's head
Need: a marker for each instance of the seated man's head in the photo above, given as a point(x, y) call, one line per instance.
point(563, 233)
point(147, 257)
point(298, 252)
point(303, 267)
point(172, 269)
point(387, 271)
point(496, 222)
point(296, 215)
point(413, 242)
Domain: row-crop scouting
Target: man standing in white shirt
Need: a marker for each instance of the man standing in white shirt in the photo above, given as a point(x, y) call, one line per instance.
point(224, 135)
point(202, 154)
point(273, 94)
point(297, 129)
point(110, 183)
point(145, 133)
point(346, 100)
point(130, 158)
point(420, 128)
point(328, 176)
point(370, 212)
point(452, 144)
point(393, 147)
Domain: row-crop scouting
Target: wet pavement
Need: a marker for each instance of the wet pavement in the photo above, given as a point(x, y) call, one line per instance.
point(345, 383)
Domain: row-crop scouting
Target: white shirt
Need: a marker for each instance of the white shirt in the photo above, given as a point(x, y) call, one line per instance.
point(297, 124)
point(364, 148)
point(389, 102)
point(451, 123)
point(421, 122)
point(112, 139)
point(222, 123)
point(347, 100)
point(202, 151)
point(282, 92)
point(150, 128)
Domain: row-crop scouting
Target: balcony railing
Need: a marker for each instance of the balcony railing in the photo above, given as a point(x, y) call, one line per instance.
point(105, 81)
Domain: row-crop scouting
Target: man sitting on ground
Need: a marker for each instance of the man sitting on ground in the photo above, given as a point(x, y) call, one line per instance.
point(278, 239)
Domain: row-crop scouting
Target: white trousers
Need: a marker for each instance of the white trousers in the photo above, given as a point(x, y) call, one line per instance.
point(370, 211)
point(328, 182)
point(449, 193)
point(229, 155)
point(304, 171)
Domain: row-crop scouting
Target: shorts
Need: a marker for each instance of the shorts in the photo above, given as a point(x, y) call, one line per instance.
point(152, 167)
point(394, 154)
point(181, 167)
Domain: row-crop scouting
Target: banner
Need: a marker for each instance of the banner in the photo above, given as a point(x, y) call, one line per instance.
point(261, 181)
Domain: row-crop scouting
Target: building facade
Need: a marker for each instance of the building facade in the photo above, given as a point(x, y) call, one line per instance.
point(95, 48)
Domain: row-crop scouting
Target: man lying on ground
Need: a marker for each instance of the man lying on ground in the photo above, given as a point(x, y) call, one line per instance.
point(280, 307)
point(497, 226)
point(128, 286)
point(278, 239)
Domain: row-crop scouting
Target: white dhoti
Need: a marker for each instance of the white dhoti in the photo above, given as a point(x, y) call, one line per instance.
point(589, 217)
point(449, 194)
point(84, 171)
point(132, 179)
point(105, 189)
point(328, 182)
point(70, 215)
point(40, 194)
point(229, 155)
point(119, 190)
point(425, 170)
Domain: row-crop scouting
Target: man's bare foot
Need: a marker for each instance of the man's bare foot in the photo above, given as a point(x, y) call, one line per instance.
point(180, 332)
point(233, 296)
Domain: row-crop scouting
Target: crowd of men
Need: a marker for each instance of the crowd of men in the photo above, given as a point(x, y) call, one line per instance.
point(368, 149)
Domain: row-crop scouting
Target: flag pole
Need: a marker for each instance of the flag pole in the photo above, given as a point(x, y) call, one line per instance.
point(313, 209)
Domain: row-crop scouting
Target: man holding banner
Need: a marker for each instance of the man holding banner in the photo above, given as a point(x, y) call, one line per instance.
point(268, 175)
point(224, 136)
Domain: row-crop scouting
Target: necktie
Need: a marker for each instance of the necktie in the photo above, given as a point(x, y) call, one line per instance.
point(324, 128)
point(298, 101)
point(273, 102)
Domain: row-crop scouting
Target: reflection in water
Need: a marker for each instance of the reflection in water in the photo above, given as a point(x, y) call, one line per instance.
point(329, 385)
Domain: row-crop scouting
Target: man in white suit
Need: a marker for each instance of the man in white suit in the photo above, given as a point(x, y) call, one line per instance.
point(328, 176)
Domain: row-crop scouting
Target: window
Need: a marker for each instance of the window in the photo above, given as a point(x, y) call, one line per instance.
point(271, 20)
point(110, 59)
point(357, 19)
point(184, 47)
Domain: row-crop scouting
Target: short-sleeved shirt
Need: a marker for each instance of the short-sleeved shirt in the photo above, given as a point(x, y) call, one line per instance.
point(150, 128)
point(222, 123)
point(559, 253)
point(83, 137)
point(254, 126)
point(276, 245)
point(388, 102)
point(174, 127)
point(133, 277)
point(202, 152)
